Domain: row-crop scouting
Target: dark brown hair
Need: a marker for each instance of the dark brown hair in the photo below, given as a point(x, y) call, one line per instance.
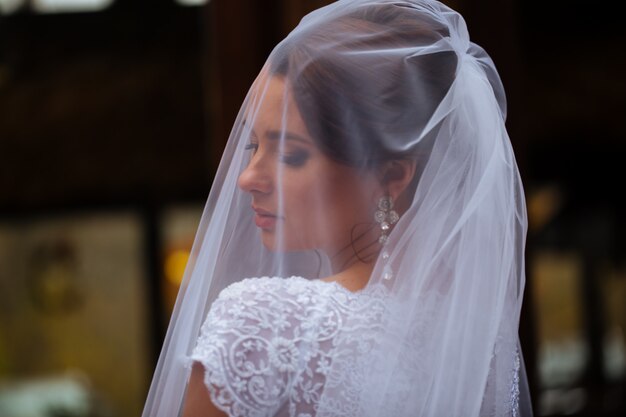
point(351, 101)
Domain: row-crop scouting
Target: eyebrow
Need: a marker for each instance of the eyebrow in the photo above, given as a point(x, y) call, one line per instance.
point(278, 134)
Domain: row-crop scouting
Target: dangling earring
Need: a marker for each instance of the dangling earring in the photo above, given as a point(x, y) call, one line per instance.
point(385, 216)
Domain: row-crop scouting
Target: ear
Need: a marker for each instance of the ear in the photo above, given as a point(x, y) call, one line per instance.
point(396, 175)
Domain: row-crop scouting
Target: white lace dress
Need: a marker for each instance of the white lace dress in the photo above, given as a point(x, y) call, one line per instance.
point(268, 344)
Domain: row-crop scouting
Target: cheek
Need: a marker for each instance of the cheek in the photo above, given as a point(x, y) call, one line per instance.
point(332, 206)
point(322, 203)
point(308, 206)
point(309, 209)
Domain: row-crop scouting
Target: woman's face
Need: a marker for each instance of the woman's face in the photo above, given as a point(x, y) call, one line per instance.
point(301, 199)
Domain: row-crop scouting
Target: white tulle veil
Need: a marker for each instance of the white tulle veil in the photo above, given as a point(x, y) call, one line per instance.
point(368, 82)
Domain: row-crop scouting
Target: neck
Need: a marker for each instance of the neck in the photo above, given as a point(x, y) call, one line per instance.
point(355, 276)
point(353, 263)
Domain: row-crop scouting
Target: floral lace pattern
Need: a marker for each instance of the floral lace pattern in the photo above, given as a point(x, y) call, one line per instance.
point(268, 344)
point(274, 346)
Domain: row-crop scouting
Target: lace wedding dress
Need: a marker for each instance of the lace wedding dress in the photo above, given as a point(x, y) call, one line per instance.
point(268, 346)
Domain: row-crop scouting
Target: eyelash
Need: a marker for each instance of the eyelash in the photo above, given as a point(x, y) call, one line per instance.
point(296, 159)
point(251, 146)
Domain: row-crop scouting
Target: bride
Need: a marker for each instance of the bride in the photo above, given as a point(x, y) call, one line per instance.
point(362, 248)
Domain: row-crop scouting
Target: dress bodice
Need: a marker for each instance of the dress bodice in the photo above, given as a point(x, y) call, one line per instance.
point(268, 345)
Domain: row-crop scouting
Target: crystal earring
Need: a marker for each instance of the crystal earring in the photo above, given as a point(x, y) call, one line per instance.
point(385, 216)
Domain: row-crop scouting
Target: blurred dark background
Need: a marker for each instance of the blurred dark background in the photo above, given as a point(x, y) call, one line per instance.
point(113, 116)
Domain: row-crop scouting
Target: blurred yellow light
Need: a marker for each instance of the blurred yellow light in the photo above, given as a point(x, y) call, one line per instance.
point(543, 205)
point(175, 263)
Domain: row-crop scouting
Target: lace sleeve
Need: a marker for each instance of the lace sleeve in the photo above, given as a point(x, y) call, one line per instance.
point(249, 365)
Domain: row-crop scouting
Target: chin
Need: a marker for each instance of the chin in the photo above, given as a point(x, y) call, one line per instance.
point(268, 242)
point(271, 243)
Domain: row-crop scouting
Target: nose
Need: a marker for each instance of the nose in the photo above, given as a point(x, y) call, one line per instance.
point(256, 177)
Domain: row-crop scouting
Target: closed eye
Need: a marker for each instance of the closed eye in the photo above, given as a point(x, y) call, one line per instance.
point(295, 159)
point(252, 146)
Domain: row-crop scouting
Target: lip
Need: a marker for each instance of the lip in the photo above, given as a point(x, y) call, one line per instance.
point(262, 212)
point(264, 219)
